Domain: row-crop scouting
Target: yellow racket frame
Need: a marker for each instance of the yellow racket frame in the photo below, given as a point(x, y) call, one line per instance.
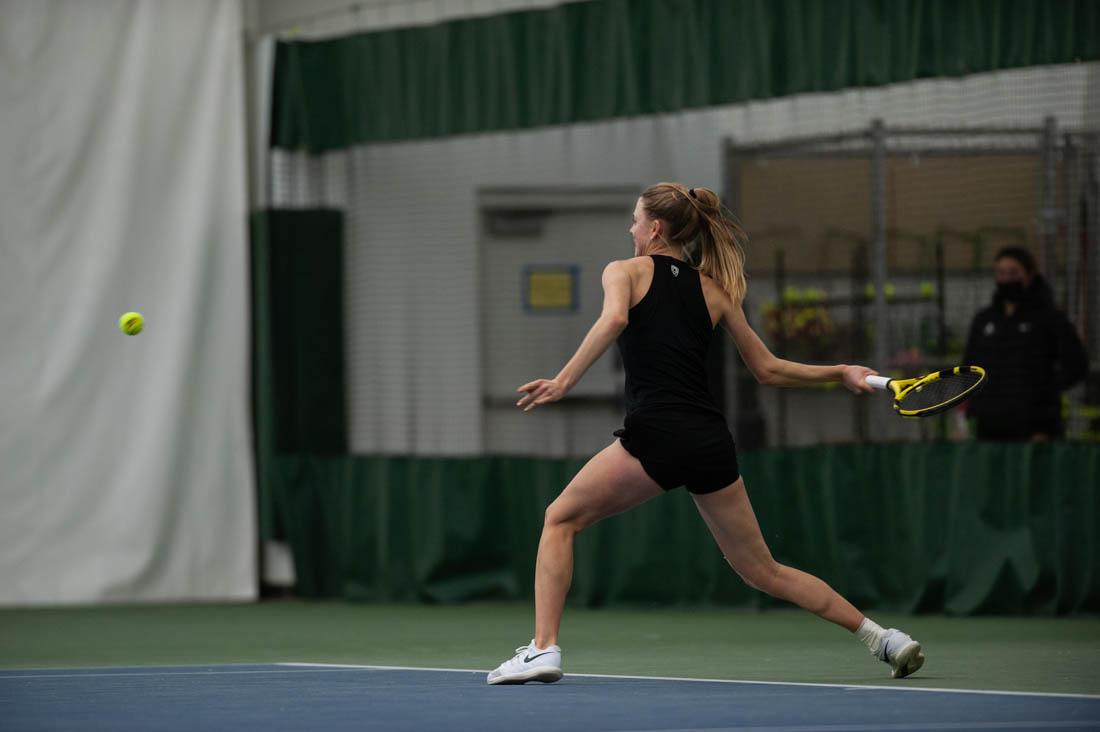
point(901, 388)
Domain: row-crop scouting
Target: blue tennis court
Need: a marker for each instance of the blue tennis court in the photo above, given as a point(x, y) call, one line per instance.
point(324, 697)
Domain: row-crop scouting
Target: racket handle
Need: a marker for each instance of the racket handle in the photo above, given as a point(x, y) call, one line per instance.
point(879, 382)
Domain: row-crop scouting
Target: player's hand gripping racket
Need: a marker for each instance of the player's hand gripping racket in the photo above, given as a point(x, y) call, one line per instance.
point(932, 393)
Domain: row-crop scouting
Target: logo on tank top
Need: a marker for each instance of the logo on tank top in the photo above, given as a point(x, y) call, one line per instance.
point(675, 271)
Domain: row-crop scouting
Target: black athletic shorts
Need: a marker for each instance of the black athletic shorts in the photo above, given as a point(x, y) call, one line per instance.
point(675, 448)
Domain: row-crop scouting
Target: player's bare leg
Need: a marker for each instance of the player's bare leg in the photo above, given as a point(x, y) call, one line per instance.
point(610, 483)
point(731, 520)
point(729, 516)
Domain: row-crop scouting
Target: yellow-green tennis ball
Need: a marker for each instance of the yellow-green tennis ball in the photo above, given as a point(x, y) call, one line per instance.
point(927, 289)
point(131, 323)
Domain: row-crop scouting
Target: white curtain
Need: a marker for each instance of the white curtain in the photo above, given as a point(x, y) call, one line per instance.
point(125, 462)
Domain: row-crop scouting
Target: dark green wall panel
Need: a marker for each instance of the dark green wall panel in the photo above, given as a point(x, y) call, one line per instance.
point(298, 383)
point(959, 528)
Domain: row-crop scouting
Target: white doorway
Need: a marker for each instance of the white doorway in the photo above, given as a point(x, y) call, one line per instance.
point(542, 252)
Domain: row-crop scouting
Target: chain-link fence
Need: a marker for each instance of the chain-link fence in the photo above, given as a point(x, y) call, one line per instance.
point(876, 246)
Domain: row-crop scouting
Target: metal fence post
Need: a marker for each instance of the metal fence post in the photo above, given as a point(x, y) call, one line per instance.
point(731, 178)
point(781, 344)
point(1071, 268)
point(1048, 214)
point(878, 238)
point(1092, 217)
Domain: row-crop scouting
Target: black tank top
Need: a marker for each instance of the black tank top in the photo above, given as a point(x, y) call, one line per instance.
point(665, 343)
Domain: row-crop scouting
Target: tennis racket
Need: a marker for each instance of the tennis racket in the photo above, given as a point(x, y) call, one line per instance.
point(932, 393)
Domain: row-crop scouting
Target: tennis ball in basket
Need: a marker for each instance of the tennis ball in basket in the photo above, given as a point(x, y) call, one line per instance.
point(131, 323)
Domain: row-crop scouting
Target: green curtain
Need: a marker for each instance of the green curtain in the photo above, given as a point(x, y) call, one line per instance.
point(299, 397)
point(262, 392)
point(603, 59)
point(958, 528)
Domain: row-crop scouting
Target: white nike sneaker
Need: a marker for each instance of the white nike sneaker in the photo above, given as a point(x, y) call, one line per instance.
point(529, 664)
point(900, 651)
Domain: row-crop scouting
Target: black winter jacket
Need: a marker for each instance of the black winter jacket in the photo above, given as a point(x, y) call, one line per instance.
point(1030, 358)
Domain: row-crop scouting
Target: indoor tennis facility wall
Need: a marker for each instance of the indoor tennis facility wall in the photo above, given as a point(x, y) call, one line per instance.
point(415, 252)
point(401, 136)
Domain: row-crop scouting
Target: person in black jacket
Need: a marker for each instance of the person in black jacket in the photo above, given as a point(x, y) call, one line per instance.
point(1030, 352)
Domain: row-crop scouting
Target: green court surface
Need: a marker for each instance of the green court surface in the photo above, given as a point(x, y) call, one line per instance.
point(1011, 654)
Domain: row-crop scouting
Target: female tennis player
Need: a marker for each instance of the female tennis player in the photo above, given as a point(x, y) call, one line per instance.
point(663, 311)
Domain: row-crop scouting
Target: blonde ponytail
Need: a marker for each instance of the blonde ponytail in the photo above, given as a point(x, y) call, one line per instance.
point(697, 215)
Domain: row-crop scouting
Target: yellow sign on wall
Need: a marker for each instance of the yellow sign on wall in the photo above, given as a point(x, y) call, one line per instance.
point(550, 288)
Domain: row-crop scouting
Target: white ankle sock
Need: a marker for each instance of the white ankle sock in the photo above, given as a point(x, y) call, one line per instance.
point(871, 633)
point(535, 647)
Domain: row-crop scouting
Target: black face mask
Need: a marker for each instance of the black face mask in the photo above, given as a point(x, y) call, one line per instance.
point(1010, 292)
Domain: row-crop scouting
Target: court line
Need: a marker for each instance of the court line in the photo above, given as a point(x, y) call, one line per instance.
point(293, 667)
point(286, 668)
point(280, 669)
point(846, 687)
point(1036, 724)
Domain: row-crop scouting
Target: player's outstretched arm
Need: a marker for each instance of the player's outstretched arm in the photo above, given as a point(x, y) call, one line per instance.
point(773, 371)
point(612, 321)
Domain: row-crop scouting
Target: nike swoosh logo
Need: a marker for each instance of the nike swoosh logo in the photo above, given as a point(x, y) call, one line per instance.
point(528, 659)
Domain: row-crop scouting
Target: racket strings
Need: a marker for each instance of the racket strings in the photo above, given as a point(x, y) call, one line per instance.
point(940, 391)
